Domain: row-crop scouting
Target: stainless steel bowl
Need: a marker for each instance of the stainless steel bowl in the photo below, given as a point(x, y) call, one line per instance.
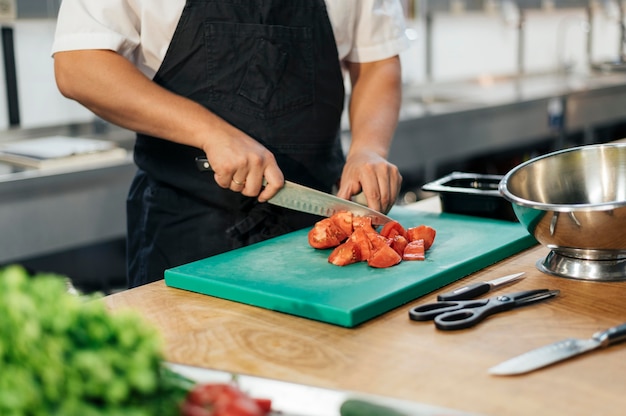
point(573, 201)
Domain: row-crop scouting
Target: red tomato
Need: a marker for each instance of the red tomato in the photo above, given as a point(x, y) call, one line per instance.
point(326, 234)
point(354, 239)
point(415, 250)
point(363, 222)
point(343, 220)
point(264, 404)
point(398, 243)
point(218, 399)
point(347, 253)
point(383, 257)
point(192, 409)
point(378, 241)
point(423, 232)
point(392, 229)
point(212, 393)
point(359, 236)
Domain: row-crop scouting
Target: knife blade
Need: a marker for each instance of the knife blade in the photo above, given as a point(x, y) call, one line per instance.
point(559, 351)
point(302, 198)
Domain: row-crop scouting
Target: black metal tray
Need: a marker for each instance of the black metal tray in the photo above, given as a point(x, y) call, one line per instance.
point(472, 194)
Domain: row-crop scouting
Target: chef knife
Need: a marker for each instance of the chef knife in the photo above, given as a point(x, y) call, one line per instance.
point(474, 290)
point(561, 350)
point(312, 201)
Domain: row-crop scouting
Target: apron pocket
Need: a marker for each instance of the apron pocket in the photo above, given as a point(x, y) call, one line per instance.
point(263, 71)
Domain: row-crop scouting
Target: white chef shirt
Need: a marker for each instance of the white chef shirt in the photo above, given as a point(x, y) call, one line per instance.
point(141, 30)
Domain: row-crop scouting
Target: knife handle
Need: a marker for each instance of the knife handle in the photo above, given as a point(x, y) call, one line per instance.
point(611, 336)
point(466, 292)
point(202, 163)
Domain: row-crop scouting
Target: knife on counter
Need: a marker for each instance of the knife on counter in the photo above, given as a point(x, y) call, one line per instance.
point(474, 290)
point(312, 201)
point(559, 351)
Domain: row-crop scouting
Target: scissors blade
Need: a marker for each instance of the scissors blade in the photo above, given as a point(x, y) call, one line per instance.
point(476, 289)
point(532, 296)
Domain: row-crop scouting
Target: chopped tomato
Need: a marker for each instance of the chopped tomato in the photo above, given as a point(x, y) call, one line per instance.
point(398, 243)
point(354, 239)
point(415, 250)
point(343, 220)
point(423, 232)
point(359, 236)
point(383, 257)
point(264, 404)
point(392, 229)
point(326, 234)
point(363, 222)
point(378, 241)
point(346, 253)
point(219, 399)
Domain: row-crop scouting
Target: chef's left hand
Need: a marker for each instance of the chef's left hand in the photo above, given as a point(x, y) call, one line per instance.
point(370, 173)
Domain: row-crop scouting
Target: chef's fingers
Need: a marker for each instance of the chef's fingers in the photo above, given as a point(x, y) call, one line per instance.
point(273, 182)
point(392, 189)
point(382, 186)
point(379, 185)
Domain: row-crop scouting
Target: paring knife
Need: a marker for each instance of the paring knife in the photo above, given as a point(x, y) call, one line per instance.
point(476, 289)
point(312, 201)
point(559, 351)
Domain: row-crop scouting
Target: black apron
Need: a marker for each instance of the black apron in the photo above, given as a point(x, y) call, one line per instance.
point(268, 67)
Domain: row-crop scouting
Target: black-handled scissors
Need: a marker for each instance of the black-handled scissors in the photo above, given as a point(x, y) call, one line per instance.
point(467, 313)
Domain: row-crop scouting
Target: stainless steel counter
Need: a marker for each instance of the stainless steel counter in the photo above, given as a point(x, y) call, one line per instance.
point(48, 211)
point(441, 123)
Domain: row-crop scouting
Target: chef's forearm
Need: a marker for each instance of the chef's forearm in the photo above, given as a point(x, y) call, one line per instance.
point(111, 87)
point(374, 104)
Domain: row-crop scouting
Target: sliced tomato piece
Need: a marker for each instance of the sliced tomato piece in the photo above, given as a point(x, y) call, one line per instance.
point(210, 393)
point(422, 232)
point(363, 222)
point(398, 243)
point(392, 229)
point(343, 220)
point(385, 256)
point(264, 404)
point(220, 399)
point(326, 234)
point(415, 250)
point(240, 406)
point(347, 253)
point(360, 237)
point(378, 241)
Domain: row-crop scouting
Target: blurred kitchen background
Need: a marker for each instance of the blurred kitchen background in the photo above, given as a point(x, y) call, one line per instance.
point(487, 85)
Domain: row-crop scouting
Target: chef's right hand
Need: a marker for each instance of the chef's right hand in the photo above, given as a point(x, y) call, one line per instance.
point(240, 164)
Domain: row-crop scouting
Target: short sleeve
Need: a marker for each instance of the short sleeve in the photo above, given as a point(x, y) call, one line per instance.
point(110, 24)
point(139, 30)
point(371, 31)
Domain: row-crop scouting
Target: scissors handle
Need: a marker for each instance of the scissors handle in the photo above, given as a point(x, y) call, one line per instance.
point(468, 317)
point(430, 311)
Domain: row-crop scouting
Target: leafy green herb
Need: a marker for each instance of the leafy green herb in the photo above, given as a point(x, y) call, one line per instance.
point(62, 354)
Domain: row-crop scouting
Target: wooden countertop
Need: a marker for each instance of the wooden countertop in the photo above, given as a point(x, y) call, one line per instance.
point(393, 356)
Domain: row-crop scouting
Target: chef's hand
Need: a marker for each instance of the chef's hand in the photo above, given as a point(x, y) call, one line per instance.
point(370, 173)
point(240, 164)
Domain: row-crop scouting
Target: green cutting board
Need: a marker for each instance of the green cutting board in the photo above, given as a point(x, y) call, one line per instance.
point(286, 274)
